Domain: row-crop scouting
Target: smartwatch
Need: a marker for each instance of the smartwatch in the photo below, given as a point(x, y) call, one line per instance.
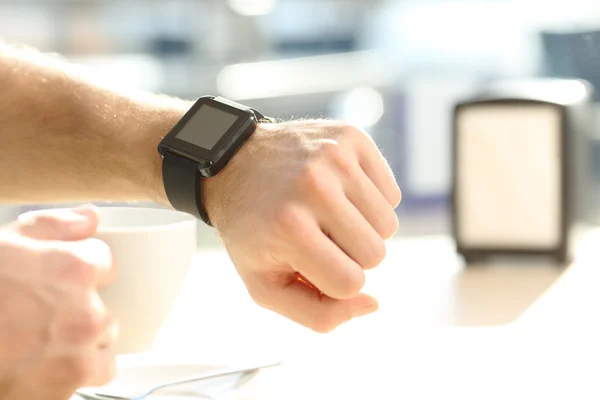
point(200, 145)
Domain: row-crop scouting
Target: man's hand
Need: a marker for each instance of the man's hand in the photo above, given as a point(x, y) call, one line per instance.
point(55, 335)
point(312, 200)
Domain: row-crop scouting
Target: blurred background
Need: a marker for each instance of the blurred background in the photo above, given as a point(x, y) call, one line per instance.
point(394, 67)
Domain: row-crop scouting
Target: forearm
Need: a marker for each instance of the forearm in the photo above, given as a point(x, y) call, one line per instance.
point(67, 138)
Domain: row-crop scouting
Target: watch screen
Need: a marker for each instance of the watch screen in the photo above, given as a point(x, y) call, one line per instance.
point(207, 126)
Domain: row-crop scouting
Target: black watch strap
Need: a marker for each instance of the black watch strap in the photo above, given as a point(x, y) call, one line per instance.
point(183, 181)
point(183, 185)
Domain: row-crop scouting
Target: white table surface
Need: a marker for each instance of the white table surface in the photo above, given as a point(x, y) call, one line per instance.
point(442, 331)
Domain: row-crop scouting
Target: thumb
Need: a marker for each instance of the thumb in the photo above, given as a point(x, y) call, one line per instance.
point(299, 302)
point(68, 225)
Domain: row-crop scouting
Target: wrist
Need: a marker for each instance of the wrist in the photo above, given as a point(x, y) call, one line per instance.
point(156, 118)
point(217, 190)
point(208, 138)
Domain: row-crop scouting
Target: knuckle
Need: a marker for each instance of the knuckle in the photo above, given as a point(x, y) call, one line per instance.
point(288, 218)
point(91, 324)
point(389, 227)
point(99, 246)
point(312, 178)
point(83, 326)
point(31, 225)
point(341, 159)
point(102, 374)
point(72, 268)
point(376, 254)
point(322, 322)
point(76, 369)
point(396, 197)
point(62, 258)
point(331, 149)
point(349, 131)
point(100, 258)
point(349, 285)
point(47, 220)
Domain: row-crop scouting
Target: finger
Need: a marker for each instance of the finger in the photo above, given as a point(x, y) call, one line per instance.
point(81, 345)
point(104, 367)
point(104, 357)
point(97, 254)
point(83, 264)
point(365, 196)
point(349, 230)
point(70, 360)
point(378, 170)
point(75, 368)
point(110, 337)
point(82, 322)
point(320, 313)
point(41, 381)
point(321, 261)
point(75, 224)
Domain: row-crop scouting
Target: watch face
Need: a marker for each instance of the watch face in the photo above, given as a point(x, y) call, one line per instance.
point(208, 130)
point(207, 126)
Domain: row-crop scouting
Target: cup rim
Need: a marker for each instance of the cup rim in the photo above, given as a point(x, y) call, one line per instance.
point(185, 219)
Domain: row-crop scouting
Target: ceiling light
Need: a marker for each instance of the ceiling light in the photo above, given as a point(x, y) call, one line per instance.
point(253, 7)
point(363, 107)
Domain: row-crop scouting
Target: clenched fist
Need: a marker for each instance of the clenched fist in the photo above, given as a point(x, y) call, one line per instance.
point(303, 209)
point(55, 335)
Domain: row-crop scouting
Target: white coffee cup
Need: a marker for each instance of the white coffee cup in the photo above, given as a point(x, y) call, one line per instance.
point(153, 249)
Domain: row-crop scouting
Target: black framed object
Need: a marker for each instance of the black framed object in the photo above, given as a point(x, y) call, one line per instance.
point(200, 145)
point(517, 174)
